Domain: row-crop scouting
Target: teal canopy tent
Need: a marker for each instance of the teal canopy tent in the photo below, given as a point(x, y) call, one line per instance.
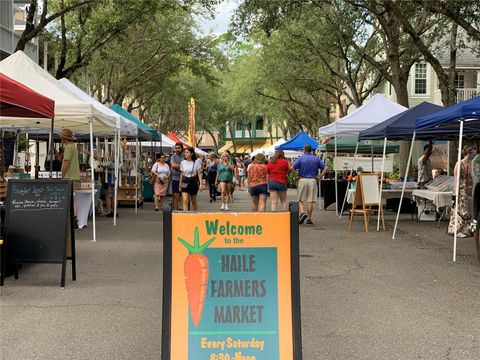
point(119, 110)
point(347, 144)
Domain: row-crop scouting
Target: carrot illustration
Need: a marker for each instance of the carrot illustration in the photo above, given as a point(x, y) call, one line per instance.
point(196, 275)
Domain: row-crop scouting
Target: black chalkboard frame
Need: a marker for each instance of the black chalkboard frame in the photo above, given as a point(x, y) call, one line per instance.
point(68, 230)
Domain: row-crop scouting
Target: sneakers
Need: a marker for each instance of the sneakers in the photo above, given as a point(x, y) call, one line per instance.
point(302, 219)
point(461, 235)
point(309, 222)
point(226, 207)
point(223, 207)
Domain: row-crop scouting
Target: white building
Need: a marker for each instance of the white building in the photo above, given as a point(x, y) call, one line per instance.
point(12, 23)
point(423, 81)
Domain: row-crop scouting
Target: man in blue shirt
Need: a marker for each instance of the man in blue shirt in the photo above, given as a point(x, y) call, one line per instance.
point(307, 167)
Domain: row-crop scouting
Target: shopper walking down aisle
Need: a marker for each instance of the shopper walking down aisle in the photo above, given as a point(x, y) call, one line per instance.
point(257, 183)
point(278, 170)
point(225, 178)
point(242, 173)
point(212, 176)
point(307, 167)
point(161, 173)
point(190, 178)
point(175, 161)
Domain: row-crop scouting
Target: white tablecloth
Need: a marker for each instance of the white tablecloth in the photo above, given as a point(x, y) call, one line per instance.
point(83, 199)
point(439, 199)
point(386, 194)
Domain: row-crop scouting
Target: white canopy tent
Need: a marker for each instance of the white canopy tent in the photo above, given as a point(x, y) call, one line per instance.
point(373, 112)
point(70, 112)
point(270, 151)
point(126, 126)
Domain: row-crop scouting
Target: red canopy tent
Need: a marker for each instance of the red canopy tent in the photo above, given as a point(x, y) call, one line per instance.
point(17, 100)
point(175, 138)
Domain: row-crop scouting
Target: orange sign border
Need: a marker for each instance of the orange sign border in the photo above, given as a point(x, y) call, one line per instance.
point(289, 314)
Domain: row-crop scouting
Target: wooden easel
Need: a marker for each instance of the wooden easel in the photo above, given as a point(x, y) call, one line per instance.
point(367, 195)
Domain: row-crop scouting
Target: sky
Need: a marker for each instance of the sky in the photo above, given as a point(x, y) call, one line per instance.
point(219, 24)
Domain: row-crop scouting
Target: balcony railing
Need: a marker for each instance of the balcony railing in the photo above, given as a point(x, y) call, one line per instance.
point(462, 95)
point(7, 44)
point(245, 134)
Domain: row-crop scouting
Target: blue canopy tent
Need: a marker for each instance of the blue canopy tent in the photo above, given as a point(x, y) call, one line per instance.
point(298, 142)
point(462, 119)
point(400, 126)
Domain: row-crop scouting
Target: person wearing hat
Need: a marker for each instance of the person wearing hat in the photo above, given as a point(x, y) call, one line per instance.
point(70, 164)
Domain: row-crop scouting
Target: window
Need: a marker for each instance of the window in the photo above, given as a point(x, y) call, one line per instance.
point(420, 78)
point(259, 124)
point(460, 81)
point(6, 14)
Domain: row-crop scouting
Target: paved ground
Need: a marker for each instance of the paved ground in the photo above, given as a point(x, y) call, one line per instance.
point(364, 296)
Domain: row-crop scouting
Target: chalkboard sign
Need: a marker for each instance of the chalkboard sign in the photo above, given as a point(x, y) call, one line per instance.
point(39, 222)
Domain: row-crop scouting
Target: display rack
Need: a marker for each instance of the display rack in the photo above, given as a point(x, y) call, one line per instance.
point(126, 191)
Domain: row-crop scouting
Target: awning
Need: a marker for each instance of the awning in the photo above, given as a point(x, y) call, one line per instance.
point(18, 100)
point(228, 145)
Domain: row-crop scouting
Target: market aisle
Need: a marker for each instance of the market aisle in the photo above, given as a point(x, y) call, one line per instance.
point(364, 296)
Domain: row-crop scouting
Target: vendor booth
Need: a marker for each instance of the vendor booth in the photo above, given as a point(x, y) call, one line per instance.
point(71, 112)
point(374, 111)
point(398, 127)
point(460, 121)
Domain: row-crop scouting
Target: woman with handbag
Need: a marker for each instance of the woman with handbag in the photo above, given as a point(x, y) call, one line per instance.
point(190, 178)
point(160, 174)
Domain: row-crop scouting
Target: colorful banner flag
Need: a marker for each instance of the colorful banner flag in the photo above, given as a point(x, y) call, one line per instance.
point(191, 122)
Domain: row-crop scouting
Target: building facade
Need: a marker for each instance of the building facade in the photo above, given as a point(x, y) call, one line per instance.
point(12, 24)
point(246, 138)
point(423, 81)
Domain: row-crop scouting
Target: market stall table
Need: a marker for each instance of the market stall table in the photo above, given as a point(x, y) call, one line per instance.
point(327, 192)
point(83, 199)
point(440, 199)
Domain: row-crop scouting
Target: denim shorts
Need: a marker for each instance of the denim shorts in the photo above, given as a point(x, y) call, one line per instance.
point(276, 186)
point(259, 190)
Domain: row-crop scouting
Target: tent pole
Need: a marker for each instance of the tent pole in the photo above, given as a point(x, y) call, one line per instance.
point(457, 189)
point(51, 152)
point(136, 175)
point(371, 154)
point(92, 179)
point(381, 182)
point(404, 184)
point(336, 185)
point(117, 156)
point(350, 183)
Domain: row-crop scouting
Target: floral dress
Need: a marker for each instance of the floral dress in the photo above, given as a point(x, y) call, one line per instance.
point(464, 217)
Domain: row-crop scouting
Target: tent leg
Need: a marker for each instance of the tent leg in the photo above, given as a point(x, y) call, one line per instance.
point(92, 180)
point(350, 183)
point(117, 155)
point(404, 184)
point(457, 190)
point(136, 175)
point(336, 184)
point(51, 152)
point(381, 183)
